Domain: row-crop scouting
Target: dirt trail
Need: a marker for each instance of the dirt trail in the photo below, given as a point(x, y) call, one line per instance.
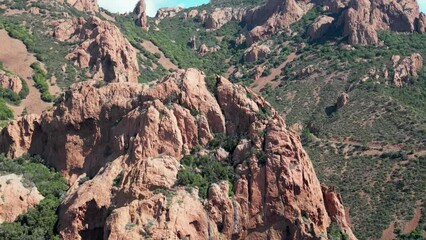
point(262, 82)
point(164, 61)
point(15, 57)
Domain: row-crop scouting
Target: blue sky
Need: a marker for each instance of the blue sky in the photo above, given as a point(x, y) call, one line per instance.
point(422, 4)
point(151, 5)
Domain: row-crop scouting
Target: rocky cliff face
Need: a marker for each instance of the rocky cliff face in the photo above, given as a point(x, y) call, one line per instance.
point(221, 16)
point(104, 51)
point(360, 19)
point(128, 139)
point(365, 17)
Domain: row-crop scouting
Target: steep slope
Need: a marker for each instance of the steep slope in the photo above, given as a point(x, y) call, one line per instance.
point(141, 134)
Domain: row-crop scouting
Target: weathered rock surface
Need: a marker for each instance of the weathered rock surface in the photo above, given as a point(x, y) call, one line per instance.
point(191, 14)
point(204, 49)
point(16, 198)
point(256, 52)
point(273, 17)
point(168, 12)
point(422, 23)
point(342, 100)
point(221, 16)
point(8, 81)
point(142, 17)
point(129, 139)
point(104, 51)
point(336, 211)
point(90, 6)
point(406, 69)
point(365, 17)
point(320, 27)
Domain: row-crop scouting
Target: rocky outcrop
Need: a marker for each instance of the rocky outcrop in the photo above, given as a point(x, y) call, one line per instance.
point(421, 27)
point(405, 70)
point(204, 49)
point(320, 27)
point(342, 100)
point(90, 6)
point(104, 51)
point(191, 14)
point(16, 197)
point(256, 52)
point(258, 71)
point(8, 81)
point(273, 17)
point(193, 43)
point(365, 17)
point(168, 12)
point(128, 139)
point(142, 18)
point(336, 211)
point(334, 6)
point(221, 16)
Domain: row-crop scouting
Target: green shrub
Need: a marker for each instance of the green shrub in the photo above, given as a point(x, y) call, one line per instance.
point(40, 79)
point(201, 172)
point(39, 222)
point(5, 112)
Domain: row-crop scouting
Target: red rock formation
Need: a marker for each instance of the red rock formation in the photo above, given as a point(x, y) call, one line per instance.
point(364, 17)
point(256, 52)
point(422, 23)
point(8, 81)
point(221, 16)
point(168, 12)
point(142, 18)
point(274, 16)
point(336, 211)
point(90, 6)
point(320, 27)
point(103, 49)
point(406, 69)
point(129, 140)
point(16, 198)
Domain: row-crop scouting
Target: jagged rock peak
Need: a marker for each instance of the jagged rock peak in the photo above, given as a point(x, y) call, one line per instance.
point(140, 11)
point(90, 6)
point(103, 50)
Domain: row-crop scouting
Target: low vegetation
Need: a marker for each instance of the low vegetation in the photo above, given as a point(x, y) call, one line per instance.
point(39, 222)
point(41, 82)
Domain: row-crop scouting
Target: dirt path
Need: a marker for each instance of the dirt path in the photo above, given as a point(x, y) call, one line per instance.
point(15, 57)
point(164, 61)
point(262, 82)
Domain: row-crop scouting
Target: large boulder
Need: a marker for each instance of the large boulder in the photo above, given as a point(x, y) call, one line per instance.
point(256, 52)
point(16, 197)
point(11, 82)
point(320, 27)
